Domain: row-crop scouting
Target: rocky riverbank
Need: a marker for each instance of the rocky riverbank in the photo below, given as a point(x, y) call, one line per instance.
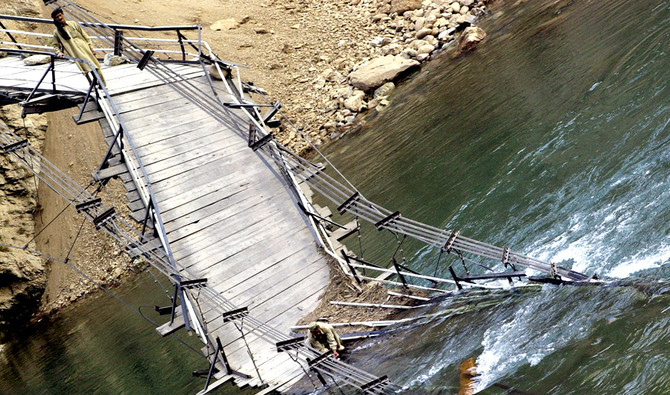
point(31, 286)
point(326, 61)
point(364, 46)
point(22, 274)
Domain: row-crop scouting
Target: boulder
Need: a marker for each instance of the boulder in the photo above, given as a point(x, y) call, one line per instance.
point(111, 60)
point(225, 24)
point(423, 33)
point(380, 70)
point(419, 23)
point(470, 38)
point(355, 102)
point(378, 17)
point(402, 6)
point(36, 60)
point(425, 49)
point(384, 90)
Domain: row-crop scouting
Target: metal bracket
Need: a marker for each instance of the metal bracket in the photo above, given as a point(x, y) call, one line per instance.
point(385, 221)
point(275, 108)
point(118, 136)
point(456, 278)
point(261, 142)
point(163, 310)
point(145, 59)
point(450, 241)
point(226, 364)
point(118, 42)
point(236, 314)
point(374, 383)
point(351, 268)
point(188, 284)
point(505, 256)
point(397, 270)
point(14, 146)
point(291, 344)
point(314, 362)
point(342, 208)
point(104, 217)
point(88, 205)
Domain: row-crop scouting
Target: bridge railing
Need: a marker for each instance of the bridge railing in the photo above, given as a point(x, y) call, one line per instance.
point(112, 38)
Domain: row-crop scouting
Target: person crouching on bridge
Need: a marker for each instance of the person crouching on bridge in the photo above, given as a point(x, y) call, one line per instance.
point(71, 38)
point(322, 337)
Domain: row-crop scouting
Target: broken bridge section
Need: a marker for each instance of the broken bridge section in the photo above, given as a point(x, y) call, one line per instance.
point(214, 213)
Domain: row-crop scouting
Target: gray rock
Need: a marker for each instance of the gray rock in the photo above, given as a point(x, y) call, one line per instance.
point(470, 38)
point(355, 102)
point(380, 70)
point(214, 73)
point(410, 52)
point(36, 60)
point(423, 33)
point(378, 17)
point(111, 60)
point(418, 24)
point(384, 90)
point(425, 49)
point(402, 6)
point(225, 24)
point(445, 34)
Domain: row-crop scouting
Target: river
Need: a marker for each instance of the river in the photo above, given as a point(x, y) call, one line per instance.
point(551, 139)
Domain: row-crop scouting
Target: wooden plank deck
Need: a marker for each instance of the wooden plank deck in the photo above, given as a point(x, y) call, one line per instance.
point(227, 215)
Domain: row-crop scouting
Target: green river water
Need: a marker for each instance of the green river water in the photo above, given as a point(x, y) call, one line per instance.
point(551, 139)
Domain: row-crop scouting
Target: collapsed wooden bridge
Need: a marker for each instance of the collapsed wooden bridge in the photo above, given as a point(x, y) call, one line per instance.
point(220, 208)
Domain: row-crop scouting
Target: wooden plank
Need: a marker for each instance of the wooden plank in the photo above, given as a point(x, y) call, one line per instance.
point(230, 270)
point(136, 82)
point(249, 212)
point(191, 209)
point(202, 243)
point(225, 159)
point(137, 101)
point(261, 253)
point(172, 126)
point(152, 112)
point(238, 205)
point(232, 245)
point(233, 274)
point(274, 280)
point(267, 310)
point(211, 139)
point(211, 176)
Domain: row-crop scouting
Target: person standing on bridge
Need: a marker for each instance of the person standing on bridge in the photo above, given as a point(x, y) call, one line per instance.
point(323, 337)
point(71, 38)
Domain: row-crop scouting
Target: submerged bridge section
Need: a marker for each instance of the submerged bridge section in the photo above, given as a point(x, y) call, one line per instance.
point(222, 218)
